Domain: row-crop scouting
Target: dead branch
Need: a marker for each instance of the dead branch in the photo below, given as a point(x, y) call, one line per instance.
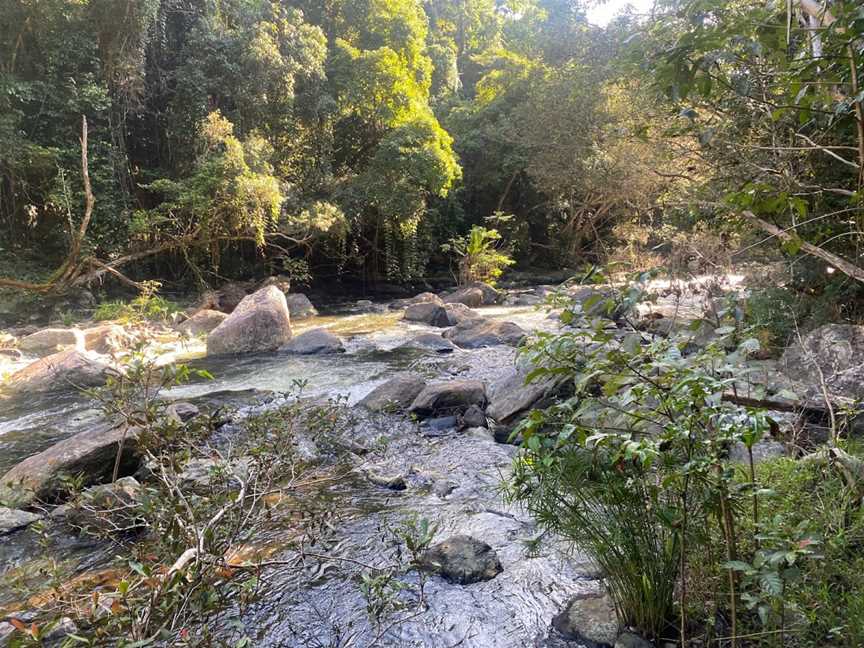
point(844, 266)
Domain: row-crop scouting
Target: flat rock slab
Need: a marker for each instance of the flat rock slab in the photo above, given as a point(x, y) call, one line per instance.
point(62, 371)
point(51, 340)
point(429, 342)
point(394, 395)
point(447, 398)
point(13, 519)
point(90, 453)
point(318, 341)
point(462, 560)
point(474, 333)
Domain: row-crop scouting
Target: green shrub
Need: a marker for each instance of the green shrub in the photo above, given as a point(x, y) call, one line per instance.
point(147, 306)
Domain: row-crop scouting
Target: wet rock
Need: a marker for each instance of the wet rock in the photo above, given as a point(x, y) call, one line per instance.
point(229, 296)
point(90, 453)
point(107, 338)
point(368, 306)
point(590, 618)
point(469, 296)
point(299, 306)
point(528, 300)
point(440, 424)
point(394, 395)
point(417, 299)
point(764, 450)
point(62, 371)
point(478, 332)
point(429, 342)
point(392, 481)
point(318, 341)
point(15, 355)
point(473, 417)
point(202, 322)
point(442, 488)
point(50, 341)
point(424, 312)
point(260, 322)
point(835, 351)
point(630, 640)
point(462, 560)
point(14, 519)
point(453, 314)
point(447, 398)
point(491, 295)
point(510, 397)
point(181, 412)
point(108, 507)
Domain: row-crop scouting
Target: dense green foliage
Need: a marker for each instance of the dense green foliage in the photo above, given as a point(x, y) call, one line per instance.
point(361, 135)
point(649, 467)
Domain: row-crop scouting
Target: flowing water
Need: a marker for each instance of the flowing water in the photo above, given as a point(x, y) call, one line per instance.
point(320, 605)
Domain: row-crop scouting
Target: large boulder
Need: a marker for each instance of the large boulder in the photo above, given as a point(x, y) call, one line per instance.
point(589, 618)
point(417, 299)
point(299, 306)
point(476, 332)
point(259, 323)
point(510, 397)
point(491, 295)
point(106, 338)
point(62, 371)
point(395, 394)
point(90, 453)
point(462, 560)
point(315, 342)
point(424, 312)
point(467, 295)
point(202, 322)
point(453, 314)
point(833, 353)
point(51, 340)
point(447, 398)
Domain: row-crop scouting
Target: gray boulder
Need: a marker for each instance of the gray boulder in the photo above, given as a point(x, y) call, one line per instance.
point(111, 508)
point(202, 322)
point(833, 351)
point(630, 640)
point(453, 314)
point(90, 453)
point(317, 341)
point(448, 398)
point(417, 299)
point(462, 560)
point(51, 340)
point(13, 519)
point(510, 397)
point(468, 295)
point(299, 306)
point(424, 312)
point(590, 618)
point(491, 295)
point(473, 333)
point(66, 370)
point(260, 322)
point(473, 417)
point(395, 394)
point(429, 342)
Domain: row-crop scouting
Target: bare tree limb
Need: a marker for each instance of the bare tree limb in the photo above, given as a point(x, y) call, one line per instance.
point(841, 264)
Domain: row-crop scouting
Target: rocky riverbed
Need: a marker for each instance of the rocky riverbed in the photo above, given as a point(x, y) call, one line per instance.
point(435, 377)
